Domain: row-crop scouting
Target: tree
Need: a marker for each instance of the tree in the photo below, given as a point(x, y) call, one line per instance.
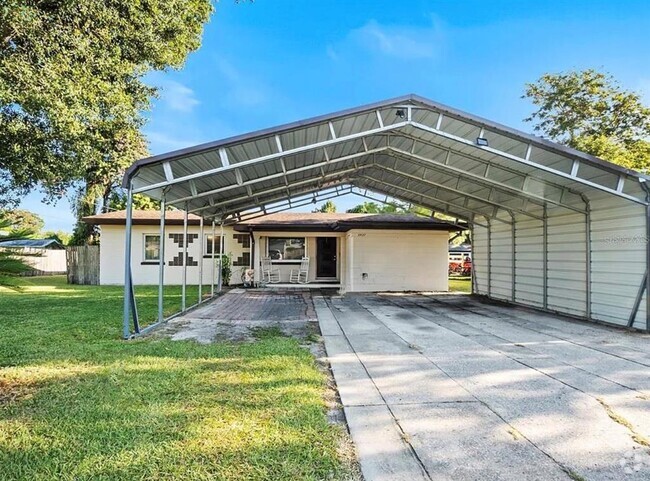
point(328, 207)
point(62, 236)
point(374, 208)
point(72, 91)
point(12, 263)
point(23, 220)
point(591, 112)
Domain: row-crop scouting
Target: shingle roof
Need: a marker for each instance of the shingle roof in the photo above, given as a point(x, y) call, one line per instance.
point(342, 222)
point(141, 217)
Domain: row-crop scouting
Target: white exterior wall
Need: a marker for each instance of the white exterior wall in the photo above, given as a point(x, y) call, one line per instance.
point(261, 250)
point(111, 255)
point(396, 260)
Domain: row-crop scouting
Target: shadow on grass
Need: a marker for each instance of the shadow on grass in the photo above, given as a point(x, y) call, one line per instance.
point(76, 402)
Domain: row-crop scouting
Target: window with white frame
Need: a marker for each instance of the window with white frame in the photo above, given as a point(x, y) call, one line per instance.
point(210, 243)
point(286, 249)
point(151, 247)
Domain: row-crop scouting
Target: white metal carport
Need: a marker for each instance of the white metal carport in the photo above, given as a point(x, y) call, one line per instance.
point(553, 228)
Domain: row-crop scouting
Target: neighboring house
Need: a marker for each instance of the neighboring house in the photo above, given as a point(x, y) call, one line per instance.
point(46, 256)
point(358, 252)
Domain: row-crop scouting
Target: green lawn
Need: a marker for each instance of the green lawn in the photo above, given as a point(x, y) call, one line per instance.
point(76, 402)
point(459, 284)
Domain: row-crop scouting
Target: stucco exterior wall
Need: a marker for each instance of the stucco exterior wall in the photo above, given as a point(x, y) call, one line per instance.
point(112, 255)
point(396, 260)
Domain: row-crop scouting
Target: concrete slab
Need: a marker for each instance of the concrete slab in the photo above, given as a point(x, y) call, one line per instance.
point(488, 392)
point(384, 455)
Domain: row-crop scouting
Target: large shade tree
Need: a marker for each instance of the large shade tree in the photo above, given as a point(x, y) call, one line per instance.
point(72, 91)
point(590, 111)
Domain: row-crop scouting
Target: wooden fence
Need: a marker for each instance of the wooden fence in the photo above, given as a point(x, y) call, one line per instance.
point(83, 265)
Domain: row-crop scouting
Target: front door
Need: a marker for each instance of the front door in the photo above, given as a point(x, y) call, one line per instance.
point(326, 257)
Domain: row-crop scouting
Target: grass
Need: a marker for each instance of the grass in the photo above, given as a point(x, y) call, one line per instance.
point(76, 402)
point(460, 284)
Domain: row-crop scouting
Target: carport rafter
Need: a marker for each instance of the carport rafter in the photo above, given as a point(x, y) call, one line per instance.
point(484, 179)
point(267, 158)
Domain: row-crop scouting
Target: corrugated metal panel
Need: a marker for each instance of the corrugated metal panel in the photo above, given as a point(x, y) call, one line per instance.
point(529, 261)
point(618, 258)
point(567, 272)
point(480, 259)
point(501, 261)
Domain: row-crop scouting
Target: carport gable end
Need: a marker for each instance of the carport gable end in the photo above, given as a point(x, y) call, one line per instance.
point(545, 217)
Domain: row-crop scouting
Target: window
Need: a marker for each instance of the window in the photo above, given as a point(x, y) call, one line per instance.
point(151, 247)
point(209, 242)
point(284, 249)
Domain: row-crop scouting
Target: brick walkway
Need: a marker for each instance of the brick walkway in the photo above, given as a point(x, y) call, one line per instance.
point(259, 305)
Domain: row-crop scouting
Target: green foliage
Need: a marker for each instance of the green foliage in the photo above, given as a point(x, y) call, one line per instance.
point(78, 403)
point(62, 236)
point(117, 201)
point(374, 208)
point(72, 94)
point(12, 263)
point(226, 269)
point(328, 207)
point(21, 219)
point(590, 111)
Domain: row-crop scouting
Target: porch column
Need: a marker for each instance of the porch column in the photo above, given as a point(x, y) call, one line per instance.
point(221, 248)
point(212, 260)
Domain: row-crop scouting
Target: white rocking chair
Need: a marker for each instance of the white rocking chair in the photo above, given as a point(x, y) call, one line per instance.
point(299, 276)
point(270, 274)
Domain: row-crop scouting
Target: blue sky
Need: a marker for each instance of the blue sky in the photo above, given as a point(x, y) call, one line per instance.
point(276, 61)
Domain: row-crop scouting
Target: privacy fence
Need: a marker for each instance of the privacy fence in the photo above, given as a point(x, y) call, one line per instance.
point(83, 265)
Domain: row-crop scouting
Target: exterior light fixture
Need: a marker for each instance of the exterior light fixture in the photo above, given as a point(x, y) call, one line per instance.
point(482, 141)
point(400, 113)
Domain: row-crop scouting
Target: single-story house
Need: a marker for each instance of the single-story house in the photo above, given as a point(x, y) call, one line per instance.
point(356, 252)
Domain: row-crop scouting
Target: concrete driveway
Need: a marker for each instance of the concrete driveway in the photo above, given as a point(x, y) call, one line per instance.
point(448, 388)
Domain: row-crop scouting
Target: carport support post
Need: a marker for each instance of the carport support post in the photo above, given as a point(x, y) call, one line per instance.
point(489, 258)
point(161, 261)
point(645, 283)
point(212, 263)
point(126, 329)
point(545, 259)
point(588, 257)
point(184, 281)
point(513, 259)
point(200, 260)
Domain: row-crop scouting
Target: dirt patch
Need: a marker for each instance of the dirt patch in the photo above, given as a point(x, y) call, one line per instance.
point(13, 390)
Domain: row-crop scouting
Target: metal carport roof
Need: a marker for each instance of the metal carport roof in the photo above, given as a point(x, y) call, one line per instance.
point(418, 150)
point(408, 148)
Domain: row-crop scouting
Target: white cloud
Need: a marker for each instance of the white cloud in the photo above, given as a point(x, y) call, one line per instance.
point(397, 41)
point(243, 90)
point(331, 53)
point(178, 97)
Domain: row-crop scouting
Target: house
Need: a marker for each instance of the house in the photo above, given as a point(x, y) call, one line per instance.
point(355, 252)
